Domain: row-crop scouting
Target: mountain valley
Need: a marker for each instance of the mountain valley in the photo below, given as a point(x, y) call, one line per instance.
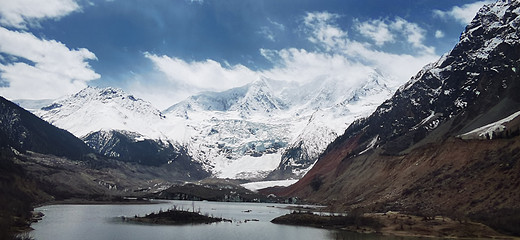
point(444, 144)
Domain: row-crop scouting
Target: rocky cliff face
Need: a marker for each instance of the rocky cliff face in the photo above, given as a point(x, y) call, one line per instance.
point(409, 149)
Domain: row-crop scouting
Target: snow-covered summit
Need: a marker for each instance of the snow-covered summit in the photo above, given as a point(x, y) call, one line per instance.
point(254, 98)
point(94, 109)
point(264, 122)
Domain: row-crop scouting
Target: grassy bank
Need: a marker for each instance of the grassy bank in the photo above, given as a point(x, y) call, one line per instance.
point(395, 224)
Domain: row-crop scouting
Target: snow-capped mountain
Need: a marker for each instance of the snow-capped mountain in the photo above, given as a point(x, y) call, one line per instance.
point(251, 99)
point(335, 105)
point(245, 132)
point(250, 131)
point(94, 109)
point(299, 156)
point(122, 127)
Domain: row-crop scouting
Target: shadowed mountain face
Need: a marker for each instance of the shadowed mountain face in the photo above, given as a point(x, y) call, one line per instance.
point(23, 131)
point(124, 147)
point(410, 153)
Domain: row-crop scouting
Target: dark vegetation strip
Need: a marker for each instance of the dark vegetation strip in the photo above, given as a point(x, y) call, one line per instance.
point(330, 222)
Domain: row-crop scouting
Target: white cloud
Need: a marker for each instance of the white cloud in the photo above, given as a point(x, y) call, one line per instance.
point(203, 75)
point(299, 65)
point(44, 69)
point(463, 14)
point(336, 56)
point(386, 31)
point(197, 1)
point(439, 34)
point(322, 30)
point(175, 79)
point(377, 30)
point(276, 24)
point(18, 13)
point(325, 32)
point(398, 66)
point(414, 34)
point(267, 33)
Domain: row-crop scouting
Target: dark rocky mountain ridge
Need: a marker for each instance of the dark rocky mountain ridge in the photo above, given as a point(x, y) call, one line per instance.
point(23, 131)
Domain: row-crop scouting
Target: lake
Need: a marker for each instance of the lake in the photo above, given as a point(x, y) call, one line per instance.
point(100, 222)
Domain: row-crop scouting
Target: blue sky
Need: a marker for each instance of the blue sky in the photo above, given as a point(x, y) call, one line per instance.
point(165, 50)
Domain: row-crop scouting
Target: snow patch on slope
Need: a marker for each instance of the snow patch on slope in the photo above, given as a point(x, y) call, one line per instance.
point(247, 167)
point(489, 130)
point(255, 186)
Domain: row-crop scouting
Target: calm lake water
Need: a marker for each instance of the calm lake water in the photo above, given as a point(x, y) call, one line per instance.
point(103, 222)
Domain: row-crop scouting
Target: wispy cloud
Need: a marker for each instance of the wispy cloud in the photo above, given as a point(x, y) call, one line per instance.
point(463, 14)
point(415, 35)
point(325, 32)
point(301, 66)
point(43, 68)
point(439, 34)
point(322, 30)
point(202, 75)
point(196, 1)
point(19, 13)
point(377, 30)
point(389, 31)
point(267, 33)
point(278, 25)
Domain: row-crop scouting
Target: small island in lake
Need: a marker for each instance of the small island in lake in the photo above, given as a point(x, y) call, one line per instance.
point(176, 217)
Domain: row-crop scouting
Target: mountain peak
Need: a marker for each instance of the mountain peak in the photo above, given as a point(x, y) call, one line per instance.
point(494, 25)
point(104, 93)
point(256, 97)
point(93, 109)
